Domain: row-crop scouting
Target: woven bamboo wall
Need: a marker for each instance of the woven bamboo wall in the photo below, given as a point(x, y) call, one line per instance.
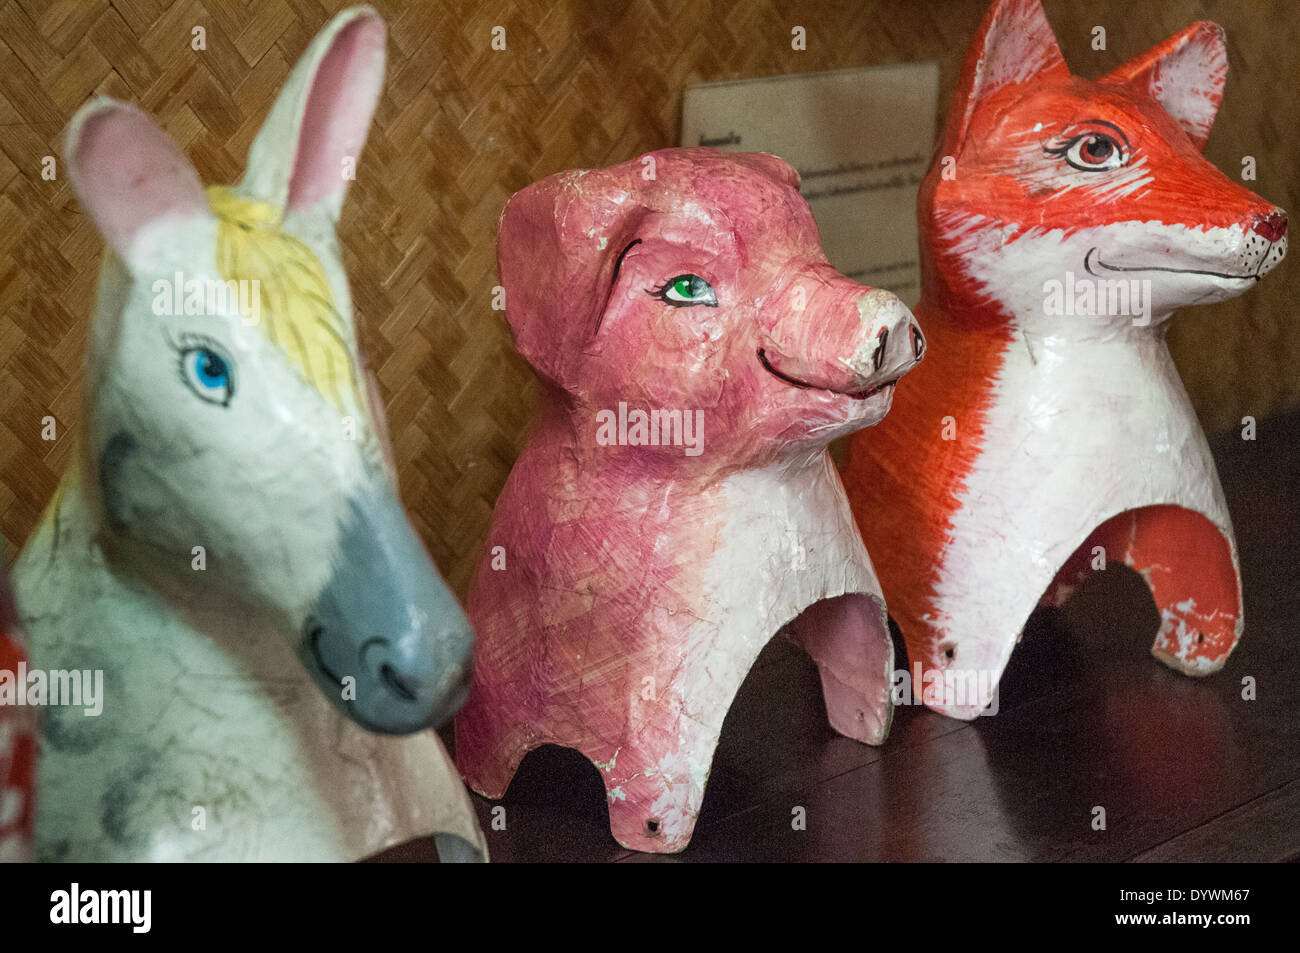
point(460, 127)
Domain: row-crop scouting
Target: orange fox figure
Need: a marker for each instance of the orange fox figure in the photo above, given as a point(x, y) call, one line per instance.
point(1062, 222)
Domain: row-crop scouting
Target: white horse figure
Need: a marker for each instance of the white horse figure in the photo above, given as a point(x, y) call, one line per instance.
point(231, 507)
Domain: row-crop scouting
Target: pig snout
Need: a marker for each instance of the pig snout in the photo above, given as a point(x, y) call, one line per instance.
point(847, 339)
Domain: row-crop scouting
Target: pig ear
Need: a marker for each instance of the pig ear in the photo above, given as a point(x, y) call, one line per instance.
point(558, 246)
point(1184, 74)
point(535, 273)
point(771, 165)
point(128, 174)
point(307, 150)
point(1014, 44)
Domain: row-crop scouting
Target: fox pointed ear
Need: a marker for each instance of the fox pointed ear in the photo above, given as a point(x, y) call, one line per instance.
point(1014, 44)
point(128, 174)
point(306, 152)
point(1184, 74)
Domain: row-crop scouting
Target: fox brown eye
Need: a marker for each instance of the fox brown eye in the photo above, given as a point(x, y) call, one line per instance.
point(1093, 152)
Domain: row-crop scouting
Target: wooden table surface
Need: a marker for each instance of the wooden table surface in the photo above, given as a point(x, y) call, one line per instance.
point(1185, 769)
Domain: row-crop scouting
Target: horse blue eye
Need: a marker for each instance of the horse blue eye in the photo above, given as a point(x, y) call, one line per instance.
point(208, 374)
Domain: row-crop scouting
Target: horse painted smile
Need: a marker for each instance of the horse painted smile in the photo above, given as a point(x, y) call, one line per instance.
point(368, 638)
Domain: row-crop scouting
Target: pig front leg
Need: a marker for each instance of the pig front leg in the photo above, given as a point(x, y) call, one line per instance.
point(653, 749)
point(491, 740)
point(655, 795)
point(848, 638)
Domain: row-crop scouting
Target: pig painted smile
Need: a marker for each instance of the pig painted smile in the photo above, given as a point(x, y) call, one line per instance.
point(918, 348)
point(876, 365)
point(795, 382)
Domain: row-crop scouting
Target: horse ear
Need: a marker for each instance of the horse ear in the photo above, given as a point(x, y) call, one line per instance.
point(130, 178)
point(306, 152)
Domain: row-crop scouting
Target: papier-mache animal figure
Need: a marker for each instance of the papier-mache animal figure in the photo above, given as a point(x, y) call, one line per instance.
point(1048, 433)
point(17, 739)
point(226, 567)
point(676, 506)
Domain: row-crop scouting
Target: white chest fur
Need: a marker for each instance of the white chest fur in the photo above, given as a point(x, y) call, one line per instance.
point(786, 540)
point(1079, 430)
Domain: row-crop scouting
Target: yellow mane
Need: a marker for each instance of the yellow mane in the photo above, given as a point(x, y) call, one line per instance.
point(296, 306)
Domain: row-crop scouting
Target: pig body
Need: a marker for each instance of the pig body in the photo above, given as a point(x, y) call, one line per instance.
point(631, 578)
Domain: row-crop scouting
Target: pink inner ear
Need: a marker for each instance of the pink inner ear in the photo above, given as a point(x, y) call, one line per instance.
point(128, 173)
point(342, 99)
point(1018, 45)
point(1185, 74)
point(1014, 44)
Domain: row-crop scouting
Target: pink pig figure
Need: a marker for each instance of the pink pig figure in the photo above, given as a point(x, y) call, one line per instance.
point(676, 505)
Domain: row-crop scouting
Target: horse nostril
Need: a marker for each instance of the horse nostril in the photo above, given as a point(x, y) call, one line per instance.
point(878, 359)
point(918, 342)
point(1271, 227)
point(396, 683)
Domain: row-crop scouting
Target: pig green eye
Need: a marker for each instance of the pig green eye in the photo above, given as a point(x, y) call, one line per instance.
point(685, 291)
